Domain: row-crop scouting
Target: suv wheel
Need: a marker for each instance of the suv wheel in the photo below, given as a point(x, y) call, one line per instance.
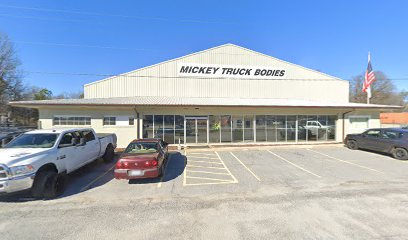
point(352, 144)
point(400, 154)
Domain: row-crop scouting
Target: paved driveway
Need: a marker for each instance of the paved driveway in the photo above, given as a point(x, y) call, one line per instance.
point(309, 192)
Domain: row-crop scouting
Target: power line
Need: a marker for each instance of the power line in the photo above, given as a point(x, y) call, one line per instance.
point(185, 77)
point(111, 15)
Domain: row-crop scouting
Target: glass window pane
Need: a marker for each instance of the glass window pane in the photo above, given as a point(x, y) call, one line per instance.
point(148, 126)
point(280, 124)
point(260, 128)
point(215, 128)
point(312, 128)
point(322, 128)
point(169, 129)
point(291, 128)
point(249, 128)
point(271, 133)
point(158, 126)
point(302, 131)
point(179, 129)
point(331, 127)
point(226, 128)
point(237, 128)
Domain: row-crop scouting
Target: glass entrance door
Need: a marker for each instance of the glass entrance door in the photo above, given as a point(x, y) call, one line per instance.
point(196, 130)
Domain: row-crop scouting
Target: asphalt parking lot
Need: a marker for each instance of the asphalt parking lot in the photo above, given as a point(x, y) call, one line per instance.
point(308, 192)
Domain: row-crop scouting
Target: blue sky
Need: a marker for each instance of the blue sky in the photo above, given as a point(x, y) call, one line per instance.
point(112, 37)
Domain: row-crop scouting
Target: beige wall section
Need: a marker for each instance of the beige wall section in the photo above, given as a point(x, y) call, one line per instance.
point(372, 116)
point(127, 133)
point(162, 80)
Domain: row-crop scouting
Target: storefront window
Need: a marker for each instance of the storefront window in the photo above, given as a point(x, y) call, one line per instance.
point(280, 125)
point(248, 125)
point(260, 128)
point(331, 127)
point(237, 128)
point(148, 126)
point(303, 132)
point(168, 129)
point(291, 128)
point(179, 129)
point(215, 129)
point(226, 128)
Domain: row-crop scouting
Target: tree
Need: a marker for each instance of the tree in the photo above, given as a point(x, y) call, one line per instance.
point(383, 91)
point(43, 94)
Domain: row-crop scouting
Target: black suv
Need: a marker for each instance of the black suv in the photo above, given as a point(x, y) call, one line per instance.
point(388, 140)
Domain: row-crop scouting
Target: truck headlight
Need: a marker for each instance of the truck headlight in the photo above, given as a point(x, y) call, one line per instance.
point(21, 170)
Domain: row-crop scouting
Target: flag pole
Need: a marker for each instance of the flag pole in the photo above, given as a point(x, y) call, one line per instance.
point(369, 87)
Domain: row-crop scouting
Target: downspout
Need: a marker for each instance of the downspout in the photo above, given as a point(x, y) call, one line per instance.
point(344, 128)
point(138, 123)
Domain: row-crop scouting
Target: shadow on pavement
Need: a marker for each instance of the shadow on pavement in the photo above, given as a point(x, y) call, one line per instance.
point(98, 173)
point(174, 168)
point(79, 181)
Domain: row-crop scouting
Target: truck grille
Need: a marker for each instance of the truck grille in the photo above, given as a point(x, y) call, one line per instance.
point(3, 172)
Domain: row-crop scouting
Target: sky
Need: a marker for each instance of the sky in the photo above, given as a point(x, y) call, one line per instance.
point(65, 44)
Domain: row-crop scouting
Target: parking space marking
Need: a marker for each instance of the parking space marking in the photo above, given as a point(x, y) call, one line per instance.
point(208, 176)
point(212, 179)
point(225, 166)
point(205, 157)
point(293, 164)
point(208, 172)
point(164, 172)
point(344, 161)
point(96, 179)
point(249, 170)
point(196, 161)
point(206, 154)
point(197, 166)
point(185, 168)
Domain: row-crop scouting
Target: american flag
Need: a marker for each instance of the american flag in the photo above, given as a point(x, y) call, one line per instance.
point(369, 76)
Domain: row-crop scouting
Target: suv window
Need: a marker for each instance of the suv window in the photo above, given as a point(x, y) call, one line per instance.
point(373, 133)
point(88, 136)
point(391, 134)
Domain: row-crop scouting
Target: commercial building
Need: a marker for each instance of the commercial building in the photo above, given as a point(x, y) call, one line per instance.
point(224, 95)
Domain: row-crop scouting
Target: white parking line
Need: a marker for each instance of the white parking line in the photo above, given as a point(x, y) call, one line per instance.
point(249, 170)
point(204, 157)
point(216, 173)
point(293, 164)
point(213, 179)
point(194, 161)
point(225, 166)
point(197, 166)
point(205, 154)
point(344, 161)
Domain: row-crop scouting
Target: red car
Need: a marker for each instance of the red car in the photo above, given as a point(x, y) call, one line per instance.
point(143, 158)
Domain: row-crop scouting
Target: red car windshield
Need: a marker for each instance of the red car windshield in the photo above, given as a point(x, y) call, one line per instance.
point(142, 147)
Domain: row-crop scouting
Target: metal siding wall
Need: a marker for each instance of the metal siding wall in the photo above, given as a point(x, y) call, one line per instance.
point(161, 80)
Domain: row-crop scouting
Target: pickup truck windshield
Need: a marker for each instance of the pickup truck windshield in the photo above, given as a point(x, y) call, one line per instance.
point(142, 147)
point(33, 141)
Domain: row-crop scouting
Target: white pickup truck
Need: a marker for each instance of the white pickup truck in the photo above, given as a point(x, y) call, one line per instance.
point(40, 159)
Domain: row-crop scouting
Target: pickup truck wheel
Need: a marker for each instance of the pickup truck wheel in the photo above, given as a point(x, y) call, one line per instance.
point(47, 185)
point(109, 154)
point(400, 154)
point(352, 144)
